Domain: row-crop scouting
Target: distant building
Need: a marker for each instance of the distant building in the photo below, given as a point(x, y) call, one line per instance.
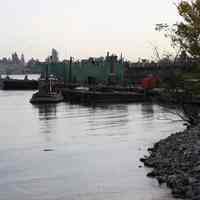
point(4, 60)
point(54, 56)
point(22, 59)
point(15, 58)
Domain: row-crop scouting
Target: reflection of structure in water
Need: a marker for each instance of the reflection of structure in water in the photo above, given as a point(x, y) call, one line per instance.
point(147, 110)
point(48, 120)
point(111, 116)
point(46, 111)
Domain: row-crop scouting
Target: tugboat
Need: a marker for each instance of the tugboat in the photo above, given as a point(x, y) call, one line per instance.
point(47, 93)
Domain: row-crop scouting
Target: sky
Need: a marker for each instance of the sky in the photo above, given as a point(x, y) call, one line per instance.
point(84, 28)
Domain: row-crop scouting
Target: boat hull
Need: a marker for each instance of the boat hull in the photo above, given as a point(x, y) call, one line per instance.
point(15, 84)
point(49, 98)
point(95, 97)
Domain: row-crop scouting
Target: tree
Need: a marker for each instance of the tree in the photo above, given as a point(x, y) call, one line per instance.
point(170, 31)
point(189, 29)
point(185, 35)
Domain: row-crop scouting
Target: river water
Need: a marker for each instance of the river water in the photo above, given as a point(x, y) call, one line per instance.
point(72, 152)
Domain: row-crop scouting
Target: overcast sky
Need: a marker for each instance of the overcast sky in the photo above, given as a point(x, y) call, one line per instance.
point(84, 28)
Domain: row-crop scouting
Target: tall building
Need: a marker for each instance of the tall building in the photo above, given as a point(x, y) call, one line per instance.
point(22, 60)
point(54, 56)
point(15, 58)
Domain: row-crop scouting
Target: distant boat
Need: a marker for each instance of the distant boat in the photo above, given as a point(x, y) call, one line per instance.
point(47, 93)
point(19, 84)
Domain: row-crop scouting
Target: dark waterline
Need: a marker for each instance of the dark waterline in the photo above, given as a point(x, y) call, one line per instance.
point(63, 151)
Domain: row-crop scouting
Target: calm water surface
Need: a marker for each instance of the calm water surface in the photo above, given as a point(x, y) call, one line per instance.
point(95, 153)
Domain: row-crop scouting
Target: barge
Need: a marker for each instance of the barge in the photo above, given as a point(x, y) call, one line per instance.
point(16, 84)
point(87, 96)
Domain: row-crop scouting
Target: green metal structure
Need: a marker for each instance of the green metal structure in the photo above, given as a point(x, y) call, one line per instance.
point(80, 72)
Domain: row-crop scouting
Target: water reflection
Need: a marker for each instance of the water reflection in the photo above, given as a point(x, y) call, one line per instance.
point(147, 111)
point(82, 166)
point(104, 117)
point(48, 120)
point(46, 111)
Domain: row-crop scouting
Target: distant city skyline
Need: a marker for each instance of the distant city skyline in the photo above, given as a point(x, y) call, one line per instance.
point(84, 28)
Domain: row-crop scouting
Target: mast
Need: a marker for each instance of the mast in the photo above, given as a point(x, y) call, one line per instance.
point(70, 70)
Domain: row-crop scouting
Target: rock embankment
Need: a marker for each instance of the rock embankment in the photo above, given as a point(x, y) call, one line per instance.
point(176, 162)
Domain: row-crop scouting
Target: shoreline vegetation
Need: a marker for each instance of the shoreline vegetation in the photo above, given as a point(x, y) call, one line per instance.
point(176, 163)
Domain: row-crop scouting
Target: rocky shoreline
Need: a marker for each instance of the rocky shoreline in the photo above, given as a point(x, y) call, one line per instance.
point(176, 162)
